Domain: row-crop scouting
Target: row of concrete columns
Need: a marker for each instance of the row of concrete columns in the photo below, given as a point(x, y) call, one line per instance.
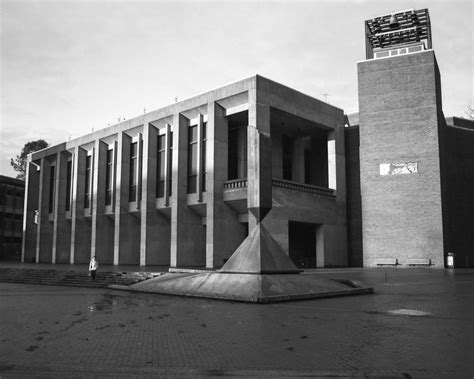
point(137, 232)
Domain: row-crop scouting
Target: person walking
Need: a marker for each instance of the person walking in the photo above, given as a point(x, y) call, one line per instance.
point(93, 265)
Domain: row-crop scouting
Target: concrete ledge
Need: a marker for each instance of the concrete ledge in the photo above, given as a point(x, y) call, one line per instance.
point(251, 288)
point(190, 270)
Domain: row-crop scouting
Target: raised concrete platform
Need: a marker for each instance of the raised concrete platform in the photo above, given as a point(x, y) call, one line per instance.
point(254, 288)
point(258, 272)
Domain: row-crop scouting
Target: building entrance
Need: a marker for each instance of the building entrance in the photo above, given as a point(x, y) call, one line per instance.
point(302, 244)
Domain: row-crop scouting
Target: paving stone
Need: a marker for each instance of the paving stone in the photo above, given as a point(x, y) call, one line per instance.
point(48, 331)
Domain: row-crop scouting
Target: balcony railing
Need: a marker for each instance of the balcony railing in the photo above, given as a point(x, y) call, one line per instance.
point(235, 184)
point(242, 183)
point(303, 187)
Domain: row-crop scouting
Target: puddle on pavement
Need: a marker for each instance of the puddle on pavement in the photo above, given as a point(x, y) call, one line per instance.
point(408, 312)
point(107, 302)
point(402, 312)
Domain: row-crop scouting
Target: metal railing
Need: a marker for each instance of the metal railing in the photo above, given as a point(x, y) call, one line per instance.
point(323, 191)
point(235, 184)
point(303, 187)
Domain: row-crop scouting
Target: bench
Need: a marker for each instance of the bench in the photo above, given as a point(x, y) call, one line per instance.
point(387, 262)
point(419, 262)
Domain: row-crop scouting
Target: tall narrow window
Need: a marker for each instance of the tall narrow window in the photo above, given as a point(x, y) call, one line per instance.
point(307, 166)
point(232, 160)
point(160, 166)
point(203, 156)
point(192, 159)
point(140, 165)
point(68, 185)
point(133, 172)
point(51, 189)
point(109, 177)
point(170, 165)
point(87, 190)
point(287, 156)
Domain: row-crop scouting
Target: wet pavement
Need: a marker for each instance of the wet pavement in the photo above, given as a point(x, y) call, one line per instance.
point(419, 323)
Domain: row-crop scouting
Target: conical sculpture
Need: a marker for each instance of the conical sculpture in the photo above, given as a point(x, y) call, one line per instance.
point(259, 253)
point(259, 270)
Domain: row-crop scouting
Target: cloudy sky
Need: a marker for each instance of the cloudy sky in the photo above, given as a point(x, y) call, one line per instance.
point(68, 67)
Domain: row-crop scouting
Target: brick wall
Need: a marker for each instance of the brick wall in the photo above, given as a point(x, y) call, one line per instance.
point(399, 100)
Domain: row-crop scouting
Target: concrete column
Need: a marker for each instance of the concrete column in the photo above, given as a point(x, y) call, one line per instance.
point(124, 240)
point(259, 190)
point(102, 236)
point(28, 251)
point(332, 169)
point(80, 227)
point(44, 247)
point(61, 228)
point(224, 233)
point(186, 226)
point(168, 171)
point(340, 158)
point(200, 169)
point(138, 178)
point(298, 159)
point(40, 208)
point(331, 246)
point(155, 228)
point(320, 246)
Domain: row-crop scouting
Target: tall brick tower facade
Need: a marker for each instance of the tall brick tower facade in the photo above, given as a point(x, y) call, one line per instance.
point(400, 119)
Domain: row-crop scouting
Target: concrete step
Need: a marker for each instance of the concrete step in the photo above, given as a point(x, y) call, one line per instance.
point(72, 278)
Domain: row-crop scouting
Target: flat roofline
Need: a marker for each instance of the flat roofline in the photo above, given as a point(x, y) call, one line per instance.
point(170, 109)
point(11, 180)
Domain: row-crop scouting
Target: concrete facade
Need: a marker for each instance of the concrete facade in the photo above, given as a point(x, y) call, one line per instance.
point(184, 185)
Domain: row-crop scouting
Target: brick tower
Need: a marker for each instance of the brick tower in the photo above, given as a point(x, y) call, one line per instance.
point(400, 119)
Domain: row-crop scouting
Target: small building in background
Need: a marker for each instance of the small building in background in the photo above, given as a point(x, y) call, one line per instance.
point(11, 217)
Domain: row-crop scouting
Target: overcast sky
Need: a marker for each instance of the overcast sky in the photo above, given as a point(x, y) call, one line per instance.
point(68, 67)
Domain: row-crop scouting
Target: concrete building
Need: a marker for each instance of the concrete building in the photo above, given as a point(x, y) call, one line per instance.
point(174, 186)
point(184, 185)
point(11, 217)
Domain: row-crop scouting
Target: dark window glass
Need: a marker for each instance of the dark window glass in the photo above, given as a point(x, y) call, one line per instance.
point(170, 165)
point(68, 185)
point(203, 157)
point(51, 189)
point(109, 177)
point(133, 172)
point(192, 159)
point(307, 166)
point(87, 196)
point(232, 161)
point(287, 158)
point(192, 134)
point(160, 166)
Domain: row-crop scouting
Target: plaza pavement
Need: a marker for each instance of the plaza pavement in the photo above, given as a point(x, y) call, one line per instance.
point(419, 323)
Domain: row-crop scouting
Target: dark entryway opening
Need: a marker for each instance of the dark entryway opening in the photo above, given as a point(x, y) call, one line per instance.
point(302, 244)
